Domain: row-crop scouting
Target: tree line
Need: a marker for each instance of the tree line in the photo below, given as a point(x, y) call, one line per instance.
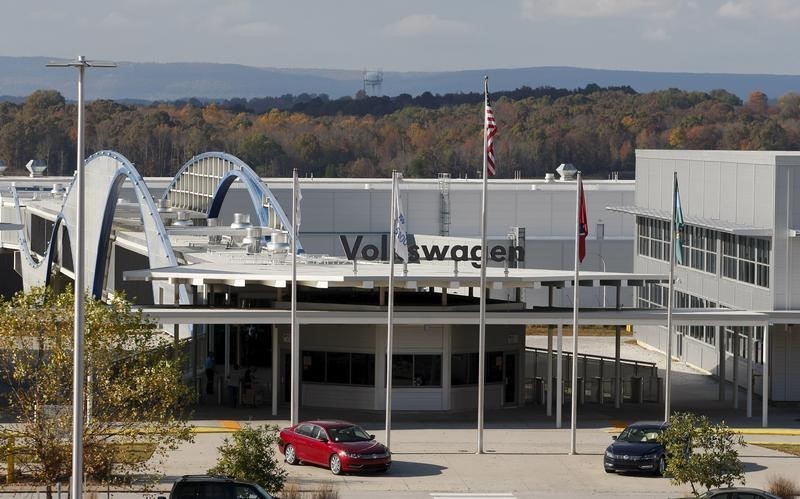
point(597, 129)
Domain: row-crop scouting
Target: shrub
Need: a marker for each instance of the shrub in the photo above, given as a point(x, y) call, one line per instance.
point(702, 453)
point(782, 487)
point(251, 456)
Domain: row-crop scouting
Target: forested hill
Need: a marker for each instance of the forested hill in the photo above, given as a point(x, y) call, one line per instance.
point(596, 129)
point(20, 76)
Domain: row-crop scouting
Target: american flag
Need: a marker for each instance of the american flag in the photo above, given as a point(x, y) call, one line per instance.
point(490, 129)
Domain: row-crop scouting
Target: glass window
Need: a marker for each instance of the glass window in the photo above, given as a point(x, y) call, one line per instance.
point(746, 259)
point(460, 364)
point(427, 370)
point(494, 367)
point(402, 370)
point(337, 368)
point(362, 369)
point(314, 367)
point(247, 492)
point(304, 429)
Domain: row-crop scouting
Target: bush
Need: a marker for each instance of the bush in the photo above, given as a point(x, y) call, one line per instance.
point(251, 456)
point(782, 487)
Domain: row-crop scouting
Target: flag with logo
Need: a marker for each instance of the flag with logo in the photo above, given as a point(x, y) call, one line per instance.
point(583, 224)
point(490, 129)
point(400, 229)
point(678, 222)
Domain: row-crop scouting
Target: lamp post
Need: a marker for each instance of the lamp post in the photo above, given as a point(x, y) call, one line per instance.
point(76, 489)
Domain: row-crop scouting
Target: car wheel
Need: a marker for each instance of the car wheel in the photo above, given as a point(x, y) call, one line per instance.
point(608, 470)
point(661, 469)
point(336, 464)
point(385, 468)
point(290, 455)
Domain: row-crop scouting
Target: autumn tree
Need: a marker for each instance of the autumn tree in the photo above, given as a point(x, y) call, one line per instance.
point(134, 400)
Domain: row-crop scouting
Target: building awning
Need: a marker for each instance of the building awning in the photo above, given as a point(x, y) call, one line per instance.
point(376, 275)
point(494, 316)
point(706, 223)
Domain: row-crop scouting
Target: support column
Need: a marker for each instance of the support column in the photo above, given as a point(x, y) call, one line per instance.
point(617, 354)
point(559, 375)
point(736, 368)
point(721, 364)
point(549, 370)
point(750, 371)
point(276, 356)
point(549, 356)
point(765, 378)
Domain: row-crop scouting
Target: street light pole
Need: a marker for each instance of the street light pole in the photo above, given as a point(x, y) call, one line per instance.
point(76, 489)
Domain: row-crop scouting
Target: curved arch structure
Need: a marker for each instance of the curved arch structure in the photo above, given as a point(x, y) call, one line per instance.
point(202, 183)
point(105, 173)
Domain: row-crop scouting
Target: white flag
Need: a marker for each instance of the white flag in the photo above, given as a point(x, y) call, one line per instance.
point(297, 205)
point(400, 231)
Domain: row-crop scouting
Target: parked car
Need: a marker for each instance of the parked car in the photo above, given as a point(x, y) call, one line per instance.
point(737, 493)
point(215, 487)
point(339, 445)
point(637, 449)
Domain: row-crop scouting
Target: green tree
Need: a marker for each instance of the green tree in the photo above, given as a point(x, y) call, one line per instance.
point(251, 456)
point(134, 397)
point(701, 453)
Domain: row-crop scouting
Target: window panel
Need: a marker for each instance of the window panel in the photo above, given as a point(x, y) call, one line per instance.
point(338, 368)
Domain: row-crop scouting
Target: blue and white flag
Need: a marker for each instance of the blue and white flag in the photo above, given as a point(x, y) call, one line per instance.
point(400, 229)
point(678, 222)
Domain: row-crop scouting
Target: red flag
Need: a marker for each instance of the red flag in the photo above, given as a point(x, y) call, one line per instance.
point(583, 224)
point(490, 129)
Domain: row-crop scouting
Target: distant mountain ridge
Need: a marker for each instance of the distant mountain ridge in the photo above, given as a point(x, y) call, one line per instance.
point(20, 76)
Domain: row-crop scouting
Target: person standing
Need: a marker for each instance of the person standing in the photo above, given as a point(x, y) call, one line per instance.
point(209, 366)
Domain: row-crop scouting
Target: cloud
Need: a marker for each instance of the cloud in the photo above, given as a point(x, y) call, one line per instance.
point(544, 9)
point(738, 10)
point(115, 20)
point(778, 10)
point(256, 30)
point(656, 35)
point(424, 24)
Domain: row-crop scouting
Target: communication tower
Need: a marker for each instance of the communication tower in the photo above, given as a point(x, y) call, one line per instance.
point(372, 82)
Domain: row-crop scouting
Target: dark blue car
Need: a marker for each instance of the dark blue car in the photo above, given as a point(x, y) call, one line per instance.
point(637, 449)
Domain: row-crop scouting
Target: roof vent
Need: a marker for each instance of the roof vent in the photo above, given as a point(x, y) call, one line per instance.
point(252, 241)
point(567, 171)
point(549, 177)
point(162, 205)
point(58, 189)
point(213, 238)
point(36, 167)
point(182, 220)
point(240, 221)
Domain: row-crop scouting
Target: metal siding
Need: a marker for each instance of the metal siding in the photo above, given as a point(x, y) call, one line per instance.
point(728, 186)
point(465, 213)
point(534, 212)
point(318, 211)
point(745, 204)
point(353, 212)
point(711, 190)
point(764, 196)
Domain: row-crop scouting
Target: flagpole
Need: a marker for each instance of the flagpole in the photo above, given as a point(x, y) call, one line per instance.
point(390, 320)
point(672, 249)
point(482, 319)
point(575, 305)
point(295, 377)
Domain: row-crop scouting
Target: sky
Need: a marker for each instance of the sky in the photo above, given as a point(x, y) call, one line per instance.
point(731, 36)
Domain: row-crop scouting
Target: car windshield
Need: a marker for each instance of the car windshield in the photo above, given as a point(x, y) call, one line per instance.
point(640, 435)
point(348, 434)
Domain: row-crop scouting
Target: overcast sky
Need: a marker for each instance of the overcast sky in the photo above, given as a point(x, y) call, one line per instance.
point(736, 36)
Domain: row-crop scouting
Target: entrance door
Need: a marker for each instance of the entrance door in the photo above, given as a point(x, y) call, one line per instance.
point(510, 378)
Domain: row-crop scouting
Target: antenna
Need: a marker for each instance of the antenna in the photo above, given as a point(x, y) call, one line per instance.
point(373, 80)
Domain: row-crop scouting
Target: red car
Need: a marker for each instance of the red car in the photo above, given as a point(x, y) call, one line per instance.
point(341, 446)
